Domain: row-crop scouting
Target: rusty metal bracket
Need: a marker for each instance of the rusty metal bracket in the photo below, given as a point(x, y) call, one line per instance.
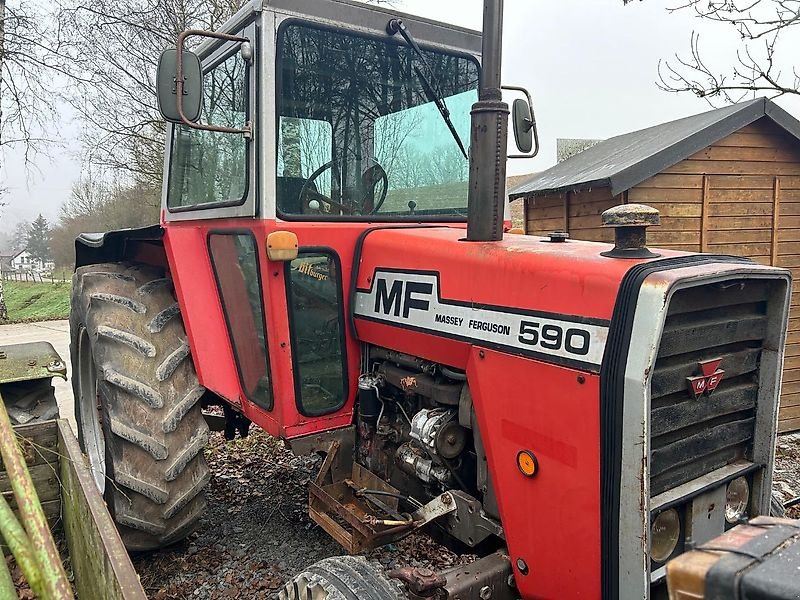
point(34, 360)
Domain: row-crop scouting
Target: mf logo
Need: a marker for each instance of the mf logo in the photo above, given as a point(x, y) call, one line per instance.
point(402, 296)
point(708, 380)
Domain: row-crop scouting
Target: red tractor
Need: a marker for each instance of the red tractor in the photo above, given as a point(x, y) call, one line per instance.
point(331, 266)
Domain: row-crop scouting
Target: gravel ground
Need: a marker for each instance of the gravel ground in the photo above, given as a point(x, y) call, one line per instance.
point(257, 534)
point(786, 477)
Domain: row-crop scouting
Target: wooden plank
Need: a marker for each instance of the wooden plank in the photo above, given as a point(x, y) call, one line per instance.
point(98, 556)
point(45, 481)
point(789, 260)
point(566, 209)
point(788, 425)
point(790, 400)
point(740, 209)
point(681, 247)
point(790, 387)
point(789, 209)
point(740, 195)
point(740, 182)
point(755, 140)
point(737, 223)
point(590, 208)
point(593, 235)
point(740, 249)
point(678, 209)
point(790, 222)
point(551, 224)
point(790, 183)
point(776, 211)
point(787, 194)
point(545, 212)
point(792, 349)
point(734, 167)
point(790, 412)
point(649, 195)
point(656, 238)
point(670, 223)
point(744, 236)
point(665, 181)
point(705, 215)
point(791, 371)
point(748, 153)
point(587, 222)
point(786, 234)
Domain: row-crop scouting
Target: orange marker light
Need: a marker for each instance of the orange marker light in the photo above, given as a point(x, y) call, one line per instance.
point(282, 246)
point(527, 463)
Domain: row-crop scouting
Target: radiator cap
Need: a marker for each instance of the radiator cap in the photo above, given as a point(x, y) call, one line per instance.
point(630, 223)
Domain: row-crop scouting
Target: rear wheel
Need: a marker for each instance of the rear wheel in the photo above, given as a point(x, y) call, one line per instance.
point(341, 578)
point(136, 402)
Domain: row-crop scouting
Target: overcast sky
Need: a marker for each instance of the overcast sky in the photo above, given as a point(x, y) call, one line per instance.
point(591, 66)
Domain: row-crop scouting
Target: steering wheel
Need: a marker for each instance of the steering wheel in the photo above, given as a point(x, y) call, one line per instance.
point(369, 179)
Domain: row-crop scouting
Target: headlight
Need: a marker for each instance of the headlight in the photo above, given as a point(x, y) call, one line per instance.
point(737, 497)
point(664, 535)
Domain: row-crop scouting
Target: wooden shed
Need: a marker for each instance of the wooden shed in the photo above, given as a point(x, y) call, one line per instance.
point(726, 181)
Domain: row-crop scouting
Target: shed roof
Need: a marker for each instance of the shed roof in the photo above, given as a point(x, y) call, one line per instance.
point(626, 160)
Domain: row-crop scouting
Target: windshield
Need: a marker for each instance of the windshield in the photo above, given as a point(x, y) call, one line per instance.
point(358, 136)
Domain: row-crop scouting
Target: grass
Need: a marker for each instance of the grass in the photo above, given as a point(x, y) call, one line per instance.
point(36, 301)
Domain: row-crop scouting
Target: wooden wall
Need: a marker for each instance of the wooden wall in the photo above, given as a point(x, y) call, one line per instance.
point(738, 196)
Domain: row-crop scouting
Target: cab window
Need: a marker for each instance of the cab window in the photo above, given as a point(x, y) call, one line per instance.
point(316, 319)
point(234, 256)
point(208, 167)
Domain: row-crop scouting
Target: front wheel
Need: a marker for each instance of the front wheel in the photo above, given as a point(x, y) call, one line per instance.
point(342, 578)
point(136, 402)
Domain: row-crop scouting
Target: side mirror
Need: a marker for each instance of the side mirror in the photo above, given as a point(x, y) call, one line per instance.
point(526, 135)
point(179, 82)
point(167, 88)
point(523, 125)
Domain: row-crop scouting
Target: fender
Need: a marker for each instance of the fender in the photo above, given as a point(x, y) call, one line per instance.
point(142, 244)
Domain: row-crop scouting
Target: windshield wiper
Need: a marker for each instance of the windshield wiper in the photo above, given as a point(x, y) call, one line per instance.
point(397, 26)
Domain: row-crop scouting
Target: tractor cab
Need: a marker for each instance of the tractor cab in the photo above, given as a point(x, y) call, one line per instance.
point(346, 112)
point(300, 130)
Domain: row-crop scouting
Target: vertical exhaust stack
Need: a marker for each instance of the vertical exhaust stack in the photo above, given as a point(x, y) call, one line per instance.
point(489, 137)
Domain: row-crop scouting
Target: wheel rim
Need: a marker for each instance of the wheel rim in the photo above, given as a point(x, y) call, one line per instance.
point(89, 412)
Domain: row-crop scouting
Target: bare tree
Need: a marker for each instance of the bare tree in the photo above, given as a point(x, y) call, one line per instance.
point(29, 65)
point(756, 67)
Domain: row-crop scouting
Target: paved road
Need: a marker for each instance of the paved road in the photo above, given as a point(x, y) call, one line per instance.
point(57, 333)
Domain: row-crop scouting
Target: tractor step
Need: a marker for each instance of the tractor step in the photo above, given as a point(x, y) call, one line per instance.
point(362, 511)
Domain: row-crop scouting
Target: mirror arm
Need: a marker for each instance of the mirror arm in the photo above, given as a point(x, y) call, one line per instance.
point(531, 123)
point(247, 130)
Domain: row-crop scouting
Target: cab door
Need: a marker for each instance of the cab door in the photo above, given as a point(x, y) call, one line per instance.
point(315, 308)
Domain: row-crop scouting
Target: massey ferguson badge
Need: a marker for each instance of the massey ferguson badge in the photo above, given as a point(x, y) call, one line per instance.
point(710, 377)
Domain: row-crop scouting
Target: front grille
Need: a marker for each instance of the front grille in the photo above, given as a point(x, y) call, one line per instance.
point(690, 437)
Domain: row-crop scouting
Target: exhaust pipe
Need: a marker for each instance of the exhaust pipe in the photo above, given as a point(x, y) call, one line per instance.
point(488, 137)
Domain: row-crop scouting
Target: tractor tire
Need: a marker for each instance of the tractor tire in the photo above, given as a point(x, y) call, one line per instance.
point(342, 578)
point(136, 402)
point(29, 402)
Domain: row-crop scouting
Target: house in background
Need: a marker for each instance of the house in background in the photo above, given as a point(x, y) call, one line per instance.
point(24, 262)
point(726, 181)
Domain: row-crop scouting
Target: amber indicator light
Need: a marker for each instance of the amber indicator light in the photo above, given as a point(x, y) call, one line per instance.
point(527, 463)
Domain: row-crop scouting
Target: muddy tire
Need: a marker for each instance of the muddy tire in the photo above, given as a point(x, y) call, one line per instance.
point(342, 578)
point(136, 402)
point(29, 402)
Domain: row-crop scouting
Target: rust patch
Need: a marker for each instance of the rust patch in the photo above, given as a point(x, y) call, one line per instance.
point(408, 382)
